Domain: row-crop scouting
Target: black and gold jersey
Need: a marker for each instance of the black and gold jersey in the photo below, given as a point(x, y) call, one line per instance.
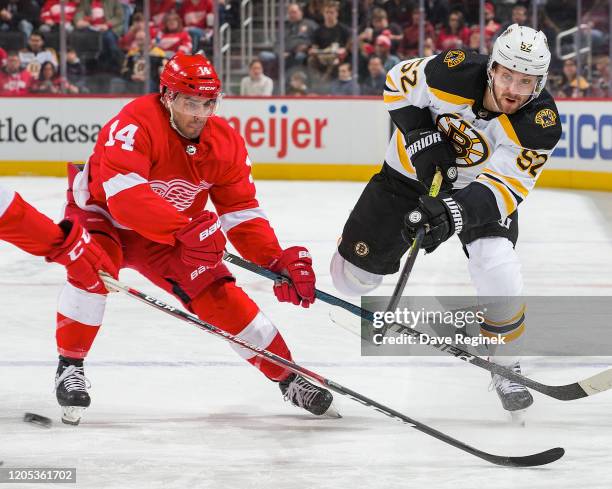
point(501, 153)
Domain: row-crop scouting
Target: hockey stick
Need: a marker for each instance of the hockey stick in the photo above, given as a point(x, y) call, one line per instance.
point(588, 387)
point(536, 459)
point(434, 190)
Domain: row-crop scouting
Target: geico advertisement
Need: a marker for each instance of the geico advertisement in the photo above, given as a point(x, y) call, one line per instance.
point(275, 130)
point(586, 142)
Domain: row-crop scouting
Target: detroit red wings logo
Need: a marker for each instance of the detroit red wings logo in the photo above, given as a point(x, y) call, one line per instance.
point(179, 193)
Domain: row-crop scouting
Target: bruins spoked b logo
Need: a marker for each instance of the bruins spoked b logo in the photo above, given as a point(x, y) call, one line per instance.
point(361, 249)
point(470, 146)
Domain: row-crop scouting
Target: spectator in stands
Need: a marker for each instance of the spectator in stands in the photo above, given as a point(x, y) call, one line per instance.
point(159, 8)
point(436, 12)
point(491, 26)
point(297, 84)
point(3, 57)
point(49, 81)
point(474, 40)
point(374, 84)
point(133, 73)
point(14, 80)
point(343, 85)
point(329, 43)
point(380, 26)
point(173, 38)
point(50, 15)
point(601, 81)
point(382, 49)
point(75, 71)
point(453, 34)
point(197, 16)
point(572, 84)
point(298, 35)
point(399, 10)
point(409, 45)
point(257, 84)
point(519, 16)
point(105, 17)
point(138, 24)
point(19, 15)
point(314, 10)
point(35, 54)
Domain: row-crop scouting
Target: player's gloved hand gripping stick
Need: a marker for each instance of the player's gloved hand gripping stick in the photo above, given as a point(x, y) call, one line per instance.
point(412, 254)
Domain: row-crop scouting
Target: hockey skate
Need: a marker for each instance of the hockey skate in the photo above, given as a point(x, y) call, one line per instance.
point(71, 389)
point(308, 396)
point(515, 398)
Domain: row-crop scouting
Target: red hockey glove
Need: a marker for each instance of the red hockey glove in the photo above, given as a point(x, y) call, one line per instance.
point(201, 242)
point(296, 264)
point(82, 257)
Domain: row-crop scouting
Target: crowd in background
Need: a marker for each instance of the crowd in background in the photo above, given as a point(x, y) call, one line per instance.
point(107, 43)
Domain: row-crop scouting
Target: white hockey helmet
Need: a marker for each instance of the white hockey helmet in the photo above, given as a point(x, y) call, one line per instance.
point(523, 49)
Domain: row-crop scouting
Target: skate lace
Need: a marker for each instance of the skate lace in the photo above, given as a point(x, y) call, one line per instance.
point(301, 393)
point(74, 379)
point(507, 386)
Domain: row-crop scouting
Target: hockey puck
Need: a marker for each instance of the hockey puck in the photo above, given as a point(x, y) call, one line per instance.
point(37, 419)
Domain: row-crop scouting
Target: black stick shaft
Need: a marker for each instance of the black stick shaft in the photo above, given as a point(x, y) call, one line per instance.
point(577, 390)
point(541, 458)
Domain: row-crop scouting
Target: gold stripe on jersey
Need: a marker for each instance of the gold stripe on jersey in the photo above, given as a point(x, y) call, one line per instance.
point(501, 192)
point(450, 97)
point(389, 99)
point(390, 83)
point(510, 182)
point(508, 129)
point(401, 152)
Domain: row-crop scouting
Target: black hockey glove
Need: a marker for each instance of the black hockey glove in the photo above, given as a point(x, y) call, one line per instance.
point(441, 217)
point(428, 149)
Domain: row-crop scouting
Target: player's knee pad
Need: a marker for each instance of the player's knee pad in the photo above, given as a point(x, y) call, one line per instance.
point(350, 279)
point(82, 306)
point(495, 267)
point(225, 305)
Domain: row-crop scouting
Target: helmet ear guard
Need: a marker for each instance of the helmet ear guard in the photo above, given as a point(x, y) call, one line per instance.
point(521, 49)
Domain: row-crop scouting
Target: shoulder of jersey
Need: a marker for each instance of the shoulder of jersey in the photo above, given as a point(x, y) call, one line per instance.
point(146, 109)
point(458, 72)
point(223, 131)
point(537, 126)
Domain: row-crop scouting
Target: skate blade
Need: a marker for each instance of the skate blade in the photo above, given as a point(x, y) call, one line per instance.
point(332, 412)
point(72, 415)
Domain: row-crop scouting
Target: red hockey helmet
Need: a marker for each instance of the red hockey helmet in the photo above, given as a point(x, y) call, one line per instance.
point(191, 74)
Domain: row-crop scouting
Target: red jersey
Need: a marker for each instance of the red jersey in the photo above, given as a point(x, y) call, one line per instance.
point(174, 42)
point(147, 178)
point(194, 15)
point(25, 227)
point(15, 83)
point(51, 11)
point(159, 8)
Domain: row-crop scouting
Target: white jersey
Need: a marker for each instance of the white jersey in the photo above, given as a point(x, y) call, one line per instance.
point(500, 153)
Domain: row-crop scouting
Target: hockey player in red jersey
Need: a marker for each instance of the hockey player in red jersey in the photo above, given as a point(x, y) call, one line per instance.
point(66, 243)
point(142, 196)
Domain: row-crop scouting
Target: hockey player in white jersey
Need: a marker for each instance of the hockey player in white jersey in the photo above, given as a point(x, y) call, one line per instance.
point(490, 126)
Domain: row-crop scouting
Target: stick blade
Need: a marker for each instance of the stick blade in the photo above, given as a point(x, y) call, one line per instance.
point(534, 460)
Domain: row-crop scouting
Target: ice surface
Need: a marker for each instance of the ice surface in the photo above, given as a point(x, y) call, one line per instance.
point(175, 408)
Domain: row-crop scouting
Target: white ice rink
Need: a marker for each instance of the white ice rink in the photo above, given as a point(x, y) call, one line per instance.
point(173, 407)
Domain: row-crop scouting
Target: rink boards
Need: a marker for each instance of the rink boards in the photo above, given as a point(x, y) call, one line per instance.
point(312, 138)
